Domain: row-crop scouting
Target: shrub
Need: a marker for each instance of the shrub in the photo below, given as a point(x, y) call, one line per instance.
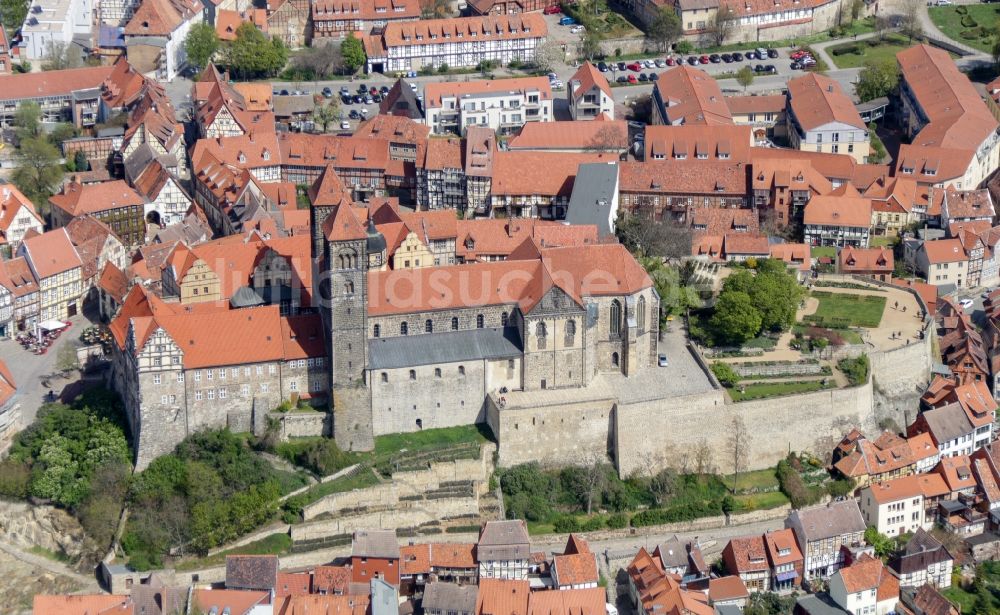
point(15, 476)
point(617, 521)
point(566, 524)
point(969, 22)
point(321, 455)
point(840, 488)
point(684, 47)
point(793, 486)
point(593, 524)
point(856, 370)
point(961, 10)
point(726, 375)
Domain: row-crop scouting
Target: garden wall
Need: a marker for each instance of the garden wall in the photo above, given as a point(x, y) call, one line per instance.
point(303, 424)
point(444, 477)
point(404, 515)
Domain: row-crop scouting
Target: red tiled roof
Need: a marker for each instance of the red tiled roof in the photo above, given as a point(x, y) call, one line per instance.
point(433, 31)
point(76, 199)
point(91, 604)
point(609, 135)
point(51, 253)
point(865, 260)
point(588, 78)
point(53, 83)
point(575, 569)
point(435, 91)
point(838, 211)
point(692, 97)
point(502, 597)
point(816, 100)
point(697, 142)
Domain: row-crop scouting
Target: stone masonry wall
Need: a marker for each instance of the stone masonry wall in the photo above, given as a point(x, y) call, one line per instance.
point(409, 484)
point(552, 435)
point(407, 515)
point(303, 424)
point(809, 422)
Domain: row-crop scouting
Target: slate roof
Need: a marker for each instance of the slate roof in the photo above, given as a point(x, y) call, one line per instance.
point(255, 572)
point(948, 422)
point(595, 186)
point(380, 544)
point(449, 597)
point(445, 347)
point(827, 521)
point(503, 540)
point(921, 551)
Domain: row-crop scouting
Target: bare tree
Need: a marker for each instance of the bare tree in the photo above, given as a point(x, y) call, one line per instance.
point(910, 24)
point(589, 480)
point(882, 25)
point(703, 458)
point(549, 54)
point(640, 234)
point(723, 24)
point(321, 61)
point(60, 56)
point(738, 444)
point(663, 485)
point(609, 138)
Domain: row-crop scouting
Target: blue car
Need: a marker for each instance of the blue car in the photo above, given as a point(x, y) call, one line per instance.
point(567, 21)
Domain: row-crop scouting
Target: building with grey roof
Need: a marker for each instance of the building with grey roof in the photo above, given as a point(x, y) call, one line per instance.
point(504, 550)
point(824, 532)
point(595, 197)
point(252, 572)
point(381, 544)
point(923, 560)
point(384, 598)
point(446, 347)
point(950, 428)
point(449, 598)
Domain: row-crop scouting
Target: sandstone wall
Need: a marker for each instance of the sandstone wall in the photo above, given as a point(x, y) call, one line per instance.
point(303, 424)
point(899, 376)
point(657, 434)
point(406, 485)
point(403, 516)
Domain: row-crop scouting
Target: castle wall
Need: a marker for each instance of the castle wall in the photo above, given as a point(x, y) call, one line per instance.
point(552, 435)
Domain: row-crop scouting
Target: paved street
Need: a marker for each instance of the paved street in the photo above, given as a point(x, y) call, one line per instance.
point(29, 370)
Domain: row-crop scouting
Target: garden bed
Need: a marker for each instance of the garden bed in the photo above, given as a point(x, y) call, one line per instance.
point(842, 310)
point(972, 24)
point(857, 53)
point(747, 392)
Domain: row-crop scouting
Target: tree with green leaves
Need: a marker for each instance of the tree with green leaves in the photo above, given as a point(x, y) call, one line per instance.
point(664, 29)
point(252, 54)
point(353, 53)
point(590, 45)
point(62, 132)
point(884, 546)
point(201, 43)
point(878, 78)
point(745, 76)
point(28, 120)
point(38, 171)
point(324, 114)
point(735, 320)
point(12, 14)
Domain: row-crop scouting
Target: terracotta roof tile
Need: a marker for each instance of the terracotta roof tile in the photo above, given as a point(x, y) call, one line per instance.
point(576, 569)
point(838, 211)
point(589, 77)
point(91, 604)
point(51, 253)
point(76, 199)
point(816, 100)
point(696, 142)
point(611, 135)
point(53, 83)
point(692, 97)
point(434, 92)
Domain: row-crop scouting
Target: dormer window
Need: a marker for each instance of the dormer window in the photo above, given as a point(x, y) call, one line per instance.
point(266, 155)
point(907, 170)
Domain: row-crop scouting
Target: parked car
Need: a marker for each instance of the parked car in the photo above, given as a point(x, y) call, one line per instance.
point(759, 68)
point(662, 361)
point(750, 55)
point(368, 99)
point(944, 2)
point(795, 55)
point(772, 53)
point(362, 89)
point(347, 99)
point(602, 66)
point(364, 112)
point(622, 66)
point(622, 79)
point(715, 58)
point(357, 99)
point(737, 56)
point(670, 62)
point(377, 97)
point(632, 79)
point(567, 21)
point(727, 57)
point(384, 90)
point(643, 77)
point(965, 303)
point(986, 293)
point(693, 60)
point(653, 76)
point(283, 93)
point(354, 115)
point(649, 64)
point(704, 59)
point(345, 125)
point(552, 10)
point(635, 67)
point(344, 91)
point(770, 69)
point(659, 63)
point(577, 30)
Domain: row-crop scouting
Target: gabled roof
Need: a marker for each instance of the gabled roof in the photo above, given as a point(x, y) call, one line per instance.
point(51, 253)
point(78, 199)
point(868, 573)
point(259, 572)
point(343, 225)
point(866, 260)
point(843, 211)
point(375, 544)
point(89, 604)
point(816, 101)
point(691, 96)
point(575, 569)
point(586, 78)
point(502, 597)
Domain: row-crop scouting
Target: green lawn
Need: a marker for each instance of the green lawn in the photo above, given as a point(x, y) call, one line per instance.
point(821, 251)
point(359, 480)
point(761, 501)
point(978, 29)
point(757, 479)
point(849, 310)
point(859, 52)
point(883, 241)
point(966, 601)
point(776, 389)
point(275, 544)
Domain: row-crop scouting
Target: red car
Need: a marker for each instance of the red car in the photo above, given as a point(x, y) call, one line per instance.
point(634, 67)
point(798, 54)
point(632, 79)
point(704, 59)
point(552, 10)
point(671, 62)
